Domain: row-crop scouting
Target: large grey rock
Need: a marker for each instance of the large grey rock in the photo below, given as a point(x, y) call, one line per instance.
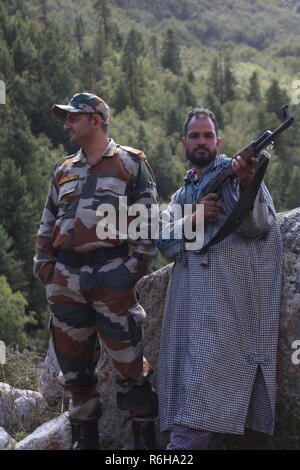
point(288, 409)
point(6, 442)
point(7, 391)
point(20, 407)
point(52, 435)
point(29, 409)
point(152, 291)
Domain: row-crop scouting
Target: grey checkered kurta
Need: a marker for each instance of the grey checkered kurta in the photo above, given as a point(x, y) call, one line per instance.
point(217, 364)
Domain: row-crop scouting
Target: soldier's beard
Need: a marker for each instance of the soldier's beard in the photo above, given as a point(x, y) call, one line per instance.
point(199, 158)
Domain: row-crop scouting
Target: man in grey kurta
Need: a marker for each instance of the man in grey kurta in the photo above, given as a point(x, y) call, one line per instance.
point(217, 363)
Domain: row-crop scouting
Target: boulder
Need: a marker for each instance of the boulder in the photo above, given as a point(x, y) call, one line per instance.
point(20, 407)
point(48, 385)
point(52, 435)
point(6, 442)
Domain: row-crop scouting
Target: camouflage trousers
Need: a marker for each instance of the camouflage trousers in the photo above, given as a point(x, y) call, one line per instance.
point(95, 303)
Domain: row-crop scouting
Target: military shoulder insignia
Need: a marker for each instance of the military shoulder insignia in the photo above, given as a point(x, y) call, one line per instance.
point(62, 160)
point(68, 178)
point(136, 152)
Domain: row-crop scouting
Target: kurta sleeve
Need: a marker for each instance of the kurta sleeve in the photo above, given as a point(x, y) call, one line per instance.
point(171, 229)
point(262, 216)
point(44, 258)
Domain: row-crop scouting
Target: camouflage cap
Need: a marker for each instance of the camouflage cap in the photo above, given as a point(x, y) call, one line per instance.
point(84, 103)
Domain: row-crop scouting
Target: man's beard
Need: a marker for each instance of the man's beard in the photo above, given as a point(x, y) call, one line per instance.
point(203, 158)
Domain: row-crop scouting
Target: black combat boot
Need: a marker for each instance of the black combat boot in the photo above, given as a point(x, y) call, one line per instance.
point(142, 403)
point(144, 434)
point(85, 436)
point(84, 419)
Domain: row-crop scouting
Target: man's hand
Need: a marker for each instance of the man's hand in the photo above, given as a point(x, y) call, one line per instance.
point(137, 267)
point(211, 207)
point(244, 170)
point(142, 268)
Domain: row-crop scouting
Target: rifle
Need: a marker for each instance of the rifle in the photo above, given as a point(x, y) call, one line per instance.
point(245, 203)
point(253, 149)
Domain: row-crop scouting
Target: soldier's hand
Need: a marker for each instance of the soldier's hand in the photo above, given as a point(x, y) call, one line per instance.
point(142, 269)
point(137, 267)
point(244, 170)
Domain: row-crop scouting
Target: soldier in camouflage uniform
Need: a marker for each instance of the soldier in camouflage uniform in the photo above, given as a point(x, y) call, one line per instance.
point(90, 281)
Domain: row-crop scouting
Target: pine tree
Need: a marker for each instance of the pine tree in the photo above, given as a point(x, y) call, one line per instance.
point(275, 98)
point(184, 11)
point(88, 67)
point(173, 121)
point(221, 80)
point(190, 98)
point(120, 98)
point(191, 76)
point(99, 51)
point(229, 82)
point(181, 96)
point(254, 94)
point(134, 47)
point(4, 20)
point(54, 82)
point(23, 51)
point(79, 30)
point(7, 71)
point(18, 213)
point(170, 58)
point(103, 13)
point(18, 140)
point(10, 266)
point(133, 72)
point(212, 102)
point(215, 81)
point(142, 139)
point(44, 12)
point(153, 45)
point(12, 315)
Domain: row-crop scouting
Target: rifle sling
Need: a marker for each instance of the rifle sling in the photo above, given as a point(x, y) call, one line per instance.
point(244, 204)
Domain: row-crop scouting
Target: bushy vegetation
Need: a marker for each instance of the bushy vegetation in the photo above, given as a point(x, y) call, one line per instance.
point(152, 62)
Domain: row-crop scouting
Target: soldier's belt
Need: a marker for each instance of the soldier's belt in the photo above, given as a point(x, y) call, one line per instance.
point(91, 258)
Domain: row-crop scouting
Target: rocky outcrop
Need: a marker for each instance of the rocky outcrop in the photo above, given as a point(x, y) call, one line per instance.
point(20, 407)
point(6, 442)
point(52, 435)
point(288, 402)
point(152, 292)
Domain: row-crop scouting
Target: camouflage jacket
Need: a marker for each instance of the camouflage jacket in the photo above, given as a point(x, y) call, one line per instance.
point(69, 220)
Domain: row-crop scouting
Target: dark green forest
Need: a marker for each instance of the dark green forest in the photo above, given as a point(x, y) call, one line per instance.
point(152, 61)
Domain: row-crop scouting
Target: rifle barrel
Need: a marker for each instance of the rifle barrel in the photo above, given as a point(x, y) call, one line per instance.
point(267, 141)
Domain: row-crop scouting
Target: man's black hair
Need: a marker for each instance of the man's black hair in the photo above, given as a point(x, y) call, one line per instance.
point(200, 113)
